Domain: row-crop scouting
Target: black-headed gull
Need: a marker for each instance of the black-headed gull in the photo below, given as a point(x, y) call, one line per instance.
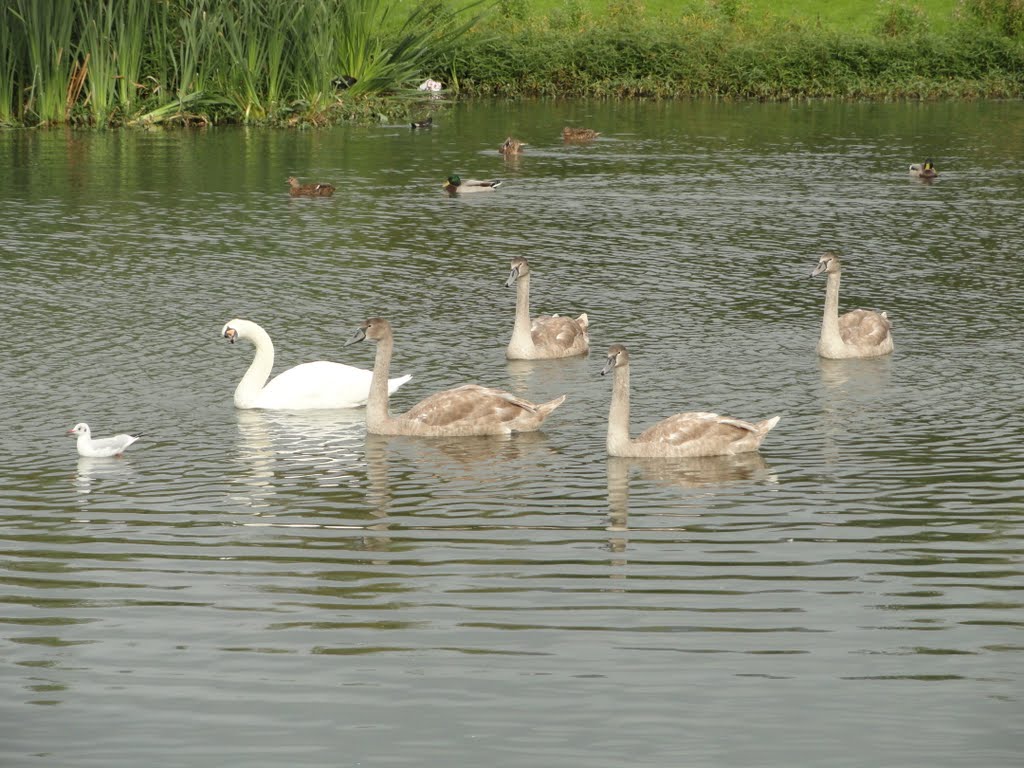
point(100, 447)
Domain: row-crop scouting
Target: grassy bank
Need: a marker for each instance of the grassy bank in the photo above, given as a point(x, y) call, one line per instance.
point(735, 49)
point(302, 62)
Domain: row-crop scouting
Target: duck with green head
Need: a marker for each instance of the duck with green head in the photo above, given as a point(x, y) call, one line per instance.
point(454, 185)
point(925, 170)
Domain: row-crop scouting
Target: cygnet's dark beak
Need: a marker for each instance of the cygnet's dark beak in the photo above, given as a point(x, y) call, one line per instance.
point(358, 336)
point(512, 277)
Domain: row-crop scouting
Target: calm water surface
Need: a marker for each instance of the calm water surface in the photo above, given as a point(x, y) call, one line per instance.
point(281, 589)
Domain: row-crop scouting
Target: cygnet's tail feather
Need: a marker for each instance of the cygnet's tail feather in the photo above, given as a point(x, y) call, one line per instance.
point(766, 426)
point(550, 405)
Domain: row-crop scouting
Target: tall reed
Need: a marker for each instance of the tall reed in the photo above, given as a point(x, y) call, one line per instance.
point(47, 26)
point(134, 21)
point(12, 53)
point(98, 59)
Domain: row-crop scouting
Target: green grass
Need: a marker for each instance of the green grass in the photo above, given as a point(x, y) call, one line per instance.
point(837, 15)
point(735, 49)
point(280, 62)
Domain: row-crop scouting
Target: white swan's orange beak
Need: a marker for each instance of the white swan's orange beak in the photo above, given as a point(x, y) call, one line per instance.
point(230, 334)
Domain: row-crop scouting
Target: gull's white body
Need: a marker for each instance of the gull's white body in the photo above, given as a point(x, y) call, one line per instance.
point(100, 447)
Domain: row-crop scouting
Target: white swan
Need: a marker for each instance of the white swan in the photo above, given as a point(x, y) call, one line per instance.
point(466, 410)
point(311, 385)
point(545, 336)
point(860, 333)
point(680, 436)
point(101, 447)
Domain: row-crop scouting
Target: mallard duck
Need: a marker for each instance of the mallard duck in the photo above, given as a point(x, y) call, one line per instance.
point(462, 411)
point(309, 190)
point(511, 146)
point(101, 447)
point(427, 123)
point(680, 436)
point(579, 134)
point(925, 170)
point(453, 185)
point(860, 333)
point(545, 337)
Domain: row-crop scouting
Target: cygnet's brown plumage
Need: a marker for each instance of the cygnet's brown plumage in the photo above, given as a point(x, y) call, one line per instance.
point(680, 436)
point(466, 410)
point(308, 190)
point(545, 336)
point(859, 333)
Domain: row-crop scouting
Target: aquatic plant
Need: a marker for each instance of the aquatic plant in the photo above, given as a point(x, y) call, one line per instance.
point(46, 28)
point(104, 61)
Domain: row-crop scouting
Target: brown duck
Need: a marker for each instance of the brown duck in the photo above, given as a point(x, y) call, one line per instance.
point(309, 190)
point(511, 146)
point(579, 134)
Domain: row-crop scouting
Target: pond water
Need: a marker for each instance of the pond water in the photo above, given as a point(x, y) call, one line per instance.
point(281, 589)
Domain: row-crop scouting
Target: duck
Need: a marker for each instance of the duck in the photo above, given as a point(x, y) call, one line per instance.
point(684, 435)
point(459, 412)
point(860, 333)
point(309, 386)
point(511, 146)
point(453, 185)
point(101, 447)
point(579, 134)
point(545, 337)
point(426, 123)
point(309, 190)
point(925, 170)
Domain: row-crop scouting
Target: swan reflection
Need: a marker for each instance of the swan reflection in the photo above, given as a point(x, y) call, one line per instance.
point(707, 472)
point(408, 462)
point(322, 446)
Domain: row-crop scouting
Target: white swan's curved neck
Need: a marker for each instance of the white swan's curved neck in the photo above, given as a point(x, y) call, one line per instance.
point(830, 320)
point(521, 337)
point(618, 414)
point(377, 404)
point(262, 364)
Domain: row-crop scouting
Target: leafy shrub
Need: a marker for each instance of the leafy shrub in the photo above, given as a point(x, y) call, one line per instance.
point(1004, 16)
point(896, 18)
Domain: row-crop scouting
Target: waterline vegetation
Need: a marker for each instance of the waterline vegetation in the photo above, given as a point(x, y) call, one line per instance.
point(314, 62)
point(754, 49)
point(117, 62)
